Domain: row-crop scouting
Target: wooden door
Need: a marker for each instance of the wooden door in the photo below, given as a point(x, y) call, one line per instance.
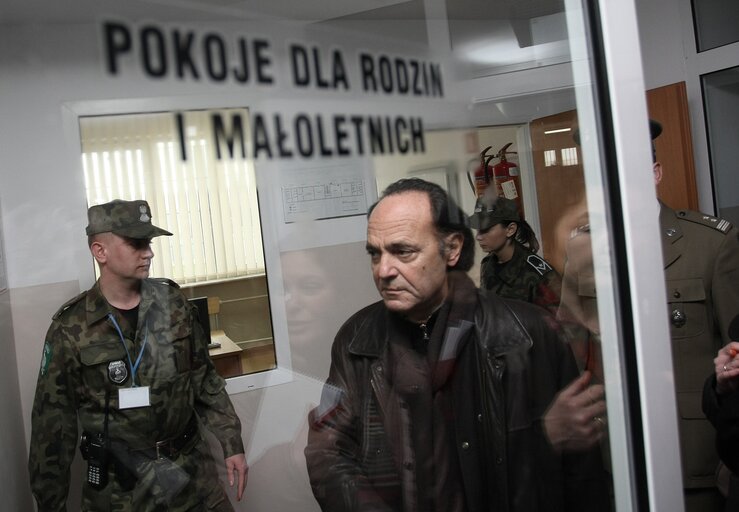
point(669, 106)
point(560, 183)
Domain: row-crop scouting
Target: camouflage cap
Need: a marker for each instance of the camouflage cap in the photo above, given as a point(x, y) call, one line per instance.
point(491, 209)
point(131, 219)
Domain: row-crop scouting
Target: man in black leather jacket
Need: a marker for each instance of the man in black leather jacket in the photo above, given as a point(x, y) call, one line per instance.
point(444, 398)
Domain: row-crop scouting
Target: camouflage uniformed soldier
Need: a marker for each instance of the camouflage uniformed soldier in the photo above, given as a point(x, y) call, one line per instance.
point(129, 361)
point(512, 269)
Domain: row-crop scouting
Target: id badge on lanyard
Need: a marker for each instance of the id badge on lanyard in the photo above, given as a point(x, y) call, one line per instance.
point(135, 396)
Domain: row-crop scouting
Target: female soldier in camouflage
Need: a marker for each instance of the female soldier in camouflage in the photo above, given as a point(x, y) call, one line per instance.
point(512, 268)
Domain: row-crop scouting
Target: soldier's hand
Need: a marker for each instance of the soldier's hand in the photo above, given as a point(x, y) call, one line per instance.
point(575, 419)
point(237, 464)
point(726, 365)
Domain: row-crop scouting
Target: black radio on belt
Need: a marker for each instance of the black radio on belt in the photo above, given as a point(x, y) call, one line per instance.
point(95, 452)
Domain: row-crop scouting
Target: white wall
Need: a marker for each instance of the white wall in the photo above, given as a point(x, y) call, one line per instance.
point(13, 454)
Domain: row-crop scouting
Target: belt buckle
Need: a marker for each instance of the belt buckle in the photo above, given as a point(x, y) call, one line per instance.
point(163, 449)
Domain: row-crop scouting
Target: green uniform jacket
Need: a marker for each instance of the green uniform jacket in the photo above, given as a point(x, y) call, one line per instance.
point(525, 277)
point(701, 258)
point(84, 361)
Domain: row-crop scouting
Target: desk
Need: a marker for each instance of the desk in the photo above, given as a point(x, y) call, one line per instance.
point(227, 357)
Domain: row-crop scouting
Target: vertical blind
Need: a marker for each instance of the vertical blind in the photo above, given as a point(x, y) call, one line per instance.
point(210, 205)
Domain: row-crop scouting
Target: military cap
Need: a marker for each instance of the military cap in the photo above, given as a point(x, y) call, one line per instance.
point(491, 209)
point(131, 219)
point(655, 130)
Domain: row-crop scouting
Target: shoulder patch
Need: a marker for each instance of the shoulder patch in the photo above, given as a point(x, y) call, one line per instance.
point(164, 280)
point(45, 359)
point(538, 263)
point(706, 220)
point(69, 304)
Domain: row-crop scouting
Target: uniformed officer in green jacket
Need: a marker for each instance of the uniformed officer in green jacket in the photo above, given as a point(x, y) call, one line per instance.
point(128, 360)
point(701, 260)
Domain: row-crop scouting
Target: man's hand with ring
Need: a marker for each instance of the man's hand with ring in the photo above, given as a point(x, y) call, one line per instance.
point(575, 420)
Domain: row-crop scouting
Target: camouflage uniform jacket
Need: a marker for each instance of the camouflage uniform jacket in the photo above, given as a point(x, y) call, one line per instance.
point(701, 260)
point(83, 358)
point(525, 277)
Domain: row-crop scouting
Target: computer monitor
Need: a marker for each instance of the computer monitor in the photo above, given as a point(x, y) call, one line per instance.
point(201, 304)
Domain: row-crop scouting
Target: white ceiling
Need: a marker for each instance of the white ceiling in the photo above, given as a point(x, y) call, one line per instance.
point(486, 36)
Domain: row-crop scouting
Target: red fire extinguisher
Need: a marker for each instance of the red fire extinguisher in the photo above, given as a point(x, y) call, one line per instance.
point(508, 177)
point(505, 174)
point(483, 175)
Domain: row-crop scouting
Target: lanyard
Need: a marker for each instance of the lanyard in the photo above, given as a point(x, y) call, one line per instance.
point(133, 366)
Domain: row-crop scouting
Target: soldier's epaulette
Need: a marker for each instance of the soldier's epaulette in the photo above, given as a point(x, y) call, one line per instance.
point(538, 264)
point(706, 220)
point(68, 305)
point(164, 280)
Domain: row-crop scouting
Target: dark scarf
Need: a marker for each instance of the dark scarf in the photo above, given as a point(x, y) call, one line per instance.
point(422, 377)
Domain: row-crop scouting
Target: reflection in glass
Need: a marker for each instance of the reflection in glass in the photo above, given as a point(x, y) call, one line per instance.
point(192, 169)
point(716, 23)
point(721, 100)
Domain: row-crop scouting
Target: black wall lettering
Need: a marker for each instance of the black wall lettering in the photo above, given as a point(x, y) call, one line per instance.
point(215, 57)
point(183, 54)
point(321, 81)
point(281, 137)
point(153, 55)
point(419, 144)
point(219, 133)
point(401, 72)
point(369, 82)
point(325, 150)
point(437, 88)
point(260, 137)
point(386, 74)
point(117, 41)
point(400, 127)
point(304, 135)
point(299, 65)
point(340, 135)
point(339, 71)
point(241, 73)
point(181, 132)
point(263, 61)
point(358, 122)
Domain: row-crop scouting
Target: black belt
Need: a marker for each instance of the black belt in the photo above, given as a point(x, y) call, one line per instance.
point(170, 448)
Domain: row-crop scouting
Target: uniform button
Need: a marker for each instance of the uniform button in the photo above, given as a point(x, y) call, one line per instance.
point(499, 460)
point(676, 294)
point(497, 365)
point(479, 418)
point(379, 369)
point(678, 318)
point(465, 445)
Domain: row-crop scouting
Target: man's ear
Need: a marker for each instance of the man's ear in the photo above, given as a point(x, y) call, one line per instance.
point(453, 248)
point(657, 172)
point(98, 250)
